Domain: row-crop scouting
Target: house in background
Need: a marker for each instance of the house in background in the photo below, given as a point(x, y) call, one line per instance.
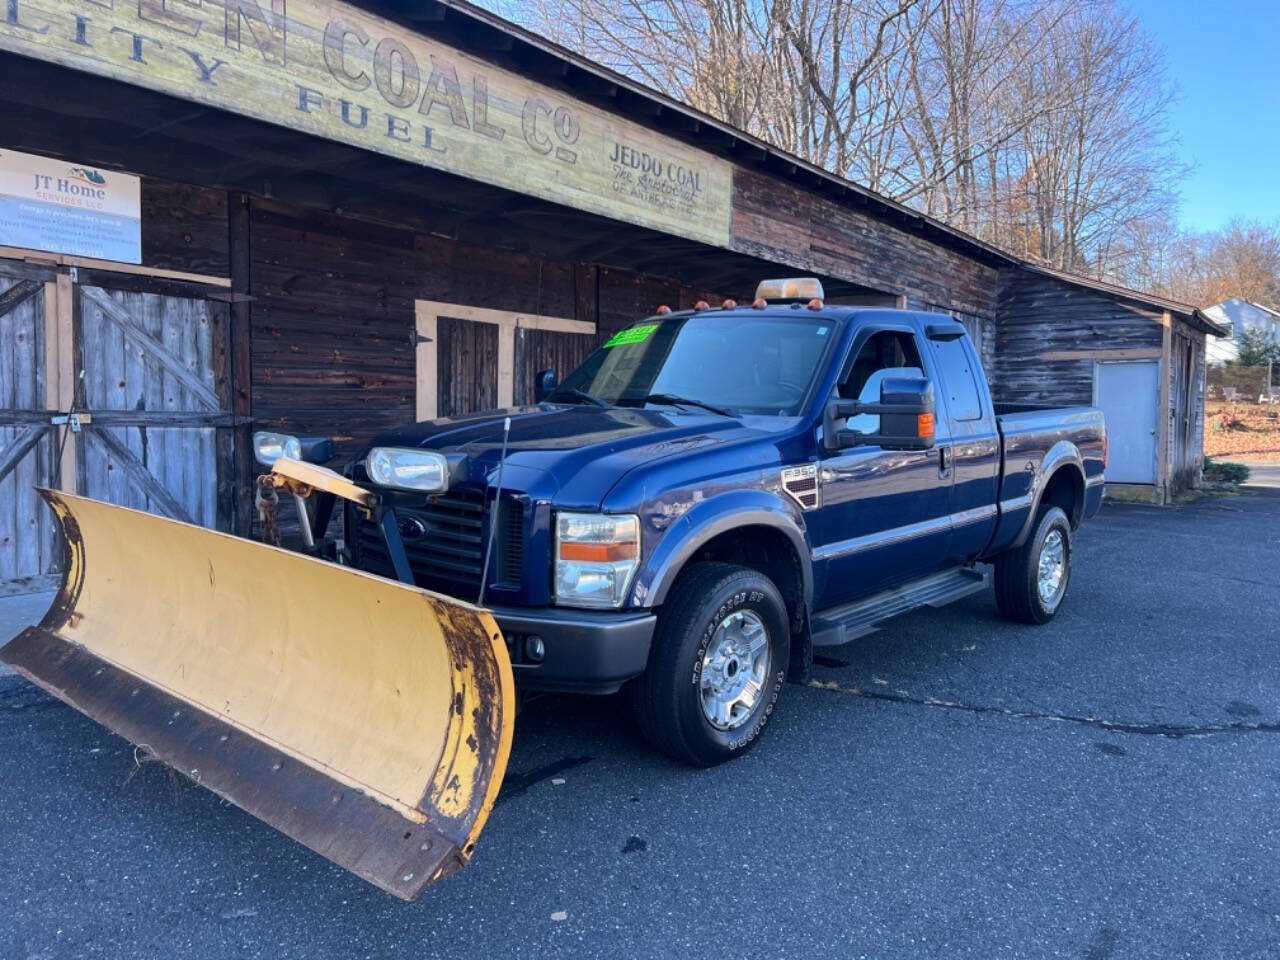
point(1239, 315)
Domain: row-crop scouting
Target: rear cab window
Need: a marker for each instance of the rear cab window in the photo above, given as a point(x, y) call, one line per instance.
point(955, 369)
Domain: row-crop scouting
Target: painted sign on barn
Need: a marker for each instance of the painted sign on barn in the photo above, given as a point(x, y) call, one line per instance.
point(326, 68)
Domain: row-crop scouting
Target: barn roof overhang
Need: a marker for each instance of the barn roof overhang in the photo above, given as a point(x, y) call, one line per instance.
point(1192, 316)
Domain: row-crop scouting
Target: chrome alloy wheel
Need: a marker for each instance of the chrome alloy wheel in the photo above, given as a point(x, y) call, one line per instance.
point(1052, 572)
point(735, 670)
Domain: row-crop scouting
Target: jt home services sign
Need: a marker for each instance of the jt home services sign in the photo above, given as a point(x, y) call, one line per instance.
point(331, 70)
point(67, 208)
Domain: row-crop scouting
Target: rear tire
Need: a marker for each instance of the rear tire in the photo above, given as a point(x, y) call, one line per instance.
point(718, 662)
point(1031, 580)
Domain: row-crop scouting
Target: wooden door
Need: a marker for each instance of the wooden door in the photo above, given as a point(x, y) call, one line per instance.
point(476, 358)
point(1129, 394)
point(467, 366)
point(151, 357)
point(537, 350)
point(30, 552)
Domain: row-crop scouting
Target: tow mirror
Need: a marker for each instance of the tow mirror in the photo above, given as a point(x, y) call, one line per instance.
point(906, 417)
point(543, 384)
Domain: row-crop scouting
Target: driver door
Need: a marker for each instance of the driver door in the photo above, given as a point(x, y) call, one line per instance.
point(885, 514)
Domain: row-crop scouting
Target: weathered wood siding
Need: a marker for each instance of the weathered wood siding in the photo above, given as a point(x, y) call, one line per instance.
point(1040, 315)
point(333, 314)
point(184, 228)
point(785, 224)
point(453, 272)
point(330, 324)
point(626, 296)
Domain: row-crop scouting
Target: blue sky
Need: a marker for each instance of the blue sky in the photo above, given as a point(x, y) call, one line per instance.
point(1225, 57)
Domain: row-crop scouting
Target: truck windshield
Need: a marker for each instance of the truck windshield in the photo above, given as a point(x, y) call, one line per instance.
point(737, 363)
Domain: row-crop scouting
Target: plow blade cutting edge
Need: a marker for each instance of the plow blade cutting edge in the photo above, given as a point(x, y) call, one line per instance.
point(368, 720)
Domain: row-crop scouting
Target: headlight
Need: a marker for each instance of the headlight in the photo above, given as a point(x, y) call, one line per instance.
point(420, 470)
point(270, 447)
point(596, 557)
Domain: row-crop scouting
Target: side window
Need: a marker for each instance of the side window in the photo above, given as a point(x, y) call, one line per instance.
point(958, 379)
point(889, 353)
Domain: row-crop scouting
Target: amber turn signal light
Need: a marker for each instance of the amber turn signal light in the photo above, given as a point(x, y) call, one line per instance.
point(597, 552)
point(924, 425)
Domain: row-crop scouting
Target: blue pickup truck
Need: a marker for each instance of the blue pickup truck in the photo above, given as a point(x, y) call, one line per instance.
point(715, 492)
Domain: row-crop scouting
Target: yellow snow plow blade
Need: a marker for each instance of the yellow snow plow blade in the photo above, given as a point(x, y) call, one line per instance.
point(368, 720)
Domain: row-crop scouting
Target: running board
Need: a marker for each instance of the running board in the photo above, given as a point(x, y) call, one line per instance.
point(842, 624)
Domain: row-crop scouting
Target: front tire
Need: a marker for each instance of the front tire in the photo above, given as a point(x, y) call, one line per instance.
point(1031, 580)
point(718, 662)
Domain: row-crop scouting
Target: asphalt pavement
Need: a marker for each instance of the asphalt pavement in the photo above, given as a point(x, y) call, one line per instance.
point(1263, 477)
point(1102, 787)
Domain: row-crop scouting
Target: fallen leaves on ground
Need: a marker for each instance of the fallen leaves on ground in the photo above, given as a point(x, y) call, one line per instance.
point(1251, 436)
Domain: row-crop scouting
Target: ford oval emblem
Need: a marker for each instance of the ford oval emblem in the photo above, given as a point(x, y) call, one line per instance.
point(411, 528)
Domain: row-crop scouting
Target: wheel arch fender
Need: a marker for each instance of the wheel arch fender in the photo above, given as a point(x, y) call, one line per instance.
point(1062, 456)
point(712, 518)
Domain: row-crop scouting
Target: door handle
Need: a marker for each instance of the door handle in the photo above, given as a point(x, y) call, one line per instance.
point(944, 466)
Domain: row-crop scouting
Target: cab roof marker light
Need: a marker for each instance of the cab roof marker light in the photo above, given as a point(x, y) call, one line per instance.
point(815, 304)
point(759, 303)
point(662, 310)
point(791, 288)
point(728, 304)
point(702, 305)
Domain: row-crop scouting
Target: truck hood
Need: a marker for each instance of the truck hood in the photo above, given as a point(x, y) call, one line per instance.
point(575, 453)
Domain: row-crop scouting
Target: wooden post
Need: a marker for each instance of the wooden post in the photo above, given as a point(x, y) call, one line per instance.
point(1164, 418)
point(243, 464)
point(52, 370)
point(586, 293)
point(426, 360)
point(63, 327)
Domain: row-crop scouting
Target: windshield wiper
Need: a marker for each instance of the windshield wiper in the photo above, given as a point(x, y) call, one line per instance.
point(577, 394)
point(671, 398)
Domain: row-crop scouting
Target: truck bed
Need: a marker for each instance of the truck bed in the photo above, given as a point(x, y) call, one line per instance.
point(1036, 440)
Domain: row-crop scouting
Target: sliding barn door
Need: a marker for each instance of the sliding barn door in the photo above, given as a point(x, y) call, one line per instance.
point(30, 552)
point(151, 366)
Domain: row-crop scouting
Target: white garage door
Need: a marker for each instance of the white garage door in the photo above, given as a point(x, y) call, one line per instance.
point(1129, 395)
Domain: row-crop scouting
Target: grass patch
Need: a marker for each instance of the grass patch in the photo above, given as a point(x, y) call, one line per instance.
point(1225, 472)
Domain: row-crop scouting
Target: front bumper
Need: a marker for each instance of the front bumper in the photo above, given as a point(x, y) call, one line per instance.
point(587, 651)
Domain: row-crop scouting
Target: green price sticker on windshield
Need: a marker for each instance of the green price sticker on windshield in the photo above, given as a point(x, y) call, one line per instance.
point(632, 335)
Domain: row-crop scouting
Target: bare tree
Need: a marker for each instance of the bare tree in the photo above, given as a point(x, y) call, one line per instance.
point(1035, 124)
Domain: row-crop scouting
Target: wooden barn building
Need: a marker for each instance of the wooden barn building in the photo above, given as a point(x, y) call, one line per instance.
point(336, 216)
